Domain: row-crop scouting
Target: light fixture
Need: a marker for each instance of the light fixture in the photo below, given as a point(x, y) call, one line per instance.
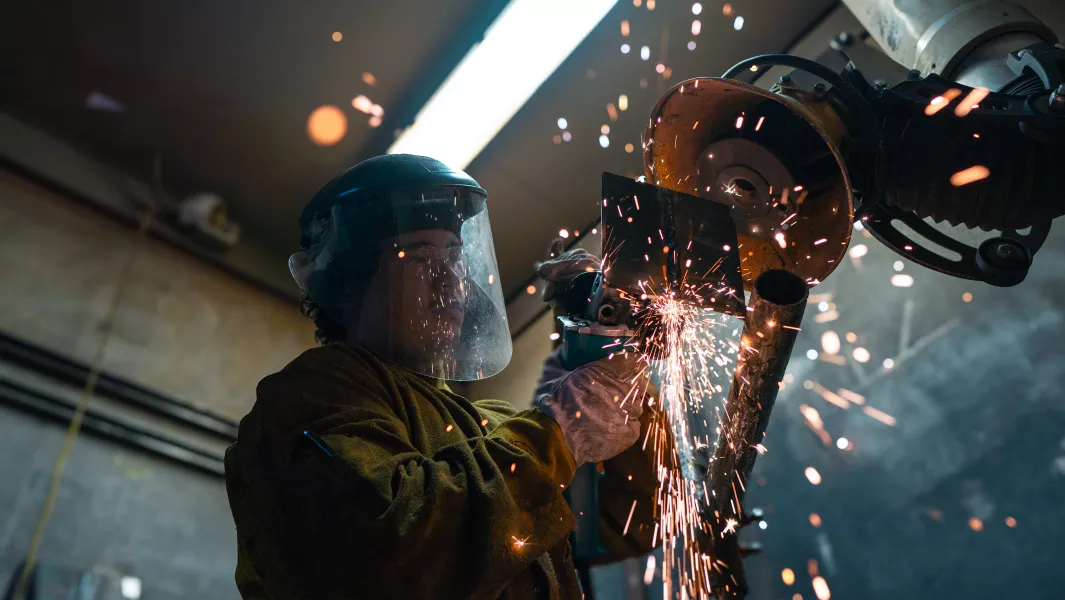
point(497, 77)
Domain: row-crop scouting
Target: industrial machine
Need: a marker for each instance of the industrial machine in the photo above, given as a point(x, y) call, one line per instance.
point(661, 242)
point(665, 244)
point(972, 139)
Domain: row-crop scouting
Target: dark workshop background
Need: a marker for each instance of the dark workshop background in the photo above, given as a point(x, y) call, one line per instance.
point(950, 487)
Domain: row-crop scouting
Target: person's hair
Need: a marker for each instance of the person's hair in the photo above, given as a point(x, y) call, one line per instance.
point(327, 330)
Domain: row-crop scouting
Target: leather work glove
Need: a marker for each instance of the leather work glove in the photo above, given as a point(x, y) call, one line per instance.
point(598, 406)
point(559, 270)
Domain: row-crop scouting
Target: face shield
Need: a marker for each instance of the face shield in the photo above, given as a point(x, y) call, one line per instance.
point(411, 277)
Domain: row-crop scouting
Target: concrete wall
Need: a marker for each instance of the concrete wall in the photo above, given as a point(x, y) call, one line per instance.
point(118, 510)
point(183, 327)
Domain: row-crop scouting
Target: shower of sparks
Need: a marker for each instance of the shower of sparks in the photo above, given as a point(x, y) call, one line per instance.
point(730, 189)
point(649, 572)
point(685, 354)
point(688, 361)
point(519, 543)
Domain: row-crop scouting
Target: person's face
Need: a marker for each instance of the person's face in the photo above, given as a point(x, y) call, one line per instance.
point(415, 301)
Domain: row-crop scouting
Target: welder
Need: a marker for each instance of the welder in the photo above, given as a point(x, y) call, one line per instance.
point(360, 474)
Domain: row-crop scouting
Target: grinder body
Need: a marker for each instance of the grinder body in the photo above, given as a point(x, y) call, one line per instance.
point(586, 340)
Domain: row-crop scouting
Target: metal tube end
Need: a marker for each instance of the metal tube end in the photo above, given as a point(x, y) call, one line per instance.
point(781, 287)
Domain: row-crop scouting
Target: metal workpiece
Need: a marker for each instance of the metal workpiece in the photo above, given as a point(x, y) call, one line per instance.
point(770, 328)
point(937, 36)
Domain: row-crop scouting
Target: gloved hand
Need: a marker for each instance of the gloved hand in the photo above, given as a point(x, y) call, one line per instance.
point(598, 406)
point(560, 270)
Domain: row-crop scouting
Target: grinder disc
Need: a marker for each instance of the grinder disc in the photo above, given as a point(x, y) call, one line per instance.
point(768, 158)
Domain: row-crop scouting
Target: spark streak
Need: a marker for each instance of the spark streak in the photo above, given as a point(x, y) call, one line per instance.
point(970, 175)
point(940, 102)
point(970, 101)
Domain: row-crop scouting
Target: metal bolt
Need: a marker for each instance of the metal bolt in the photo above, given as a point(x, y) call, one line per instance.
point(784, 80)
point(820, 88)
point(880, 84)
point(1006, 254)
point(1024, 53)
point(1003, 261)
point(845, 38)
point(915, 75)
point(1057, 99)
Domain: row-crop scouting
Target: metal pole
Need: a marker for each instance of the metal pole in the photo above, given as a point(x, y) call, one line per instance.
point(952, 37)
point(769, 331)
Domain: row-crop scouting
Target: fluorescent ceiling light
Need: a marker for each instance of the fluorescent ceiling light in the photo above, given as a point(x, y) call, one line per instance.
point(520, 50)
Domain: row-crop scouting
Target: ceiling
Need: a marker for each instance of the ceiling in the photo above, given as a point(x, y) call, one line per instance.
point(223, 91)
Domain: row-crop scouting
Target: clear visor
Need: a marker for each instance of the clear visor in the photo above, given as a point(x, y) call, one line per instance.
point(416, 283)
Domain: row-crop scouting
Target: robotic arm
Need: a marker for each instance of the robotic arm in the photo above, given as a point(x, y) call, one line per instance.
point(974, 137)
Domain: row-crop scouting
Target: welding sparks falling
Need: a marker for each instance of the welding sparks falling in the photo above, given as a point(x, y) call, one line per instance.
point(685, 358)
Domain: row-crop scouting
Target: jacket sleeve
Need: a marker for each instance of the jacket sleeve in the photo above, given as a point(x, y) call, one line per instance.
point(381, 520)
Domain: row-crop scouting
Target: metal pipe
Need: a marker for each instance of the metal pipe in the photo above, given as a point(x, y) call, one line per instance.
point(937, 36)
point(159, 444)
point(769, 331)
point(71, 372)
